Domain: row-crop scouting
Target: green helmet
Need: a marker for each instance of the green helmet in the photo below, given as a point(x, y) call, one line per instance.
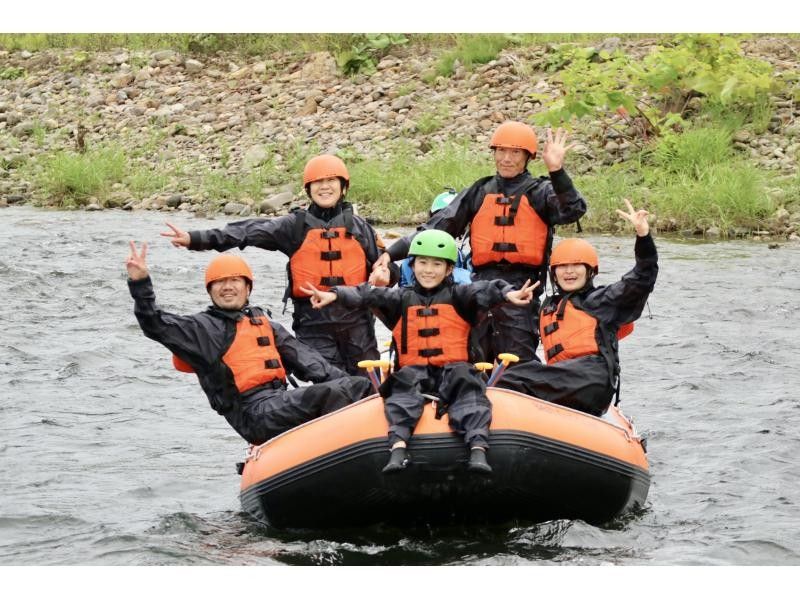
point(442, 200)
point(434, 243)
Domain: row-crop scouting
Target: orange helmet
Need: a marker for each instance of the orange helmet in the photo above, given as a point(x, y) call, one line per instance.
point(227, 265)
point(515, 135)
point(574, 251)
point(325, 167)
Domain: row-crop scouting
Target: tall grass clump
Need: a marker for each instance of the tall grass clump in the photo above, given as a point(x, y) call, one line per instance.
point(693, 151)
point(71, 178)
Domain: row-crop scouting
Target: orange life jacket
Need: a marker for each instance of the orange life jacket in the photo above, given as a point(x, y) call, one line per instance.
point(567, 332)
point(253, 357)
point(508, 229)
point(432, 333)
point(328, 256)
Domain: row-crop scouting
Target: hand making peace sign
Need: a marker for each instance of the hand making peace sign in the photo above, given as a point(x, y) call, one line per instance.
point(636, 217)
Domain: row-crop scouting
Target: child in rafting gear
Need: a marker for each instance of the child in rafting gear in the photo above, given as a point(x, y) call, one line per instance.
point(580, 325)
point(327, 244)
point(510, 217)
point(431, 325)
point(240, 357)
point(462, 273)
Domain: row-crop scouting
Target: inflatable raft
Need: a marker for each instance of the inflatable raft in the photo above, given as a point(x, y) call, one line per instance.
point(549, 462)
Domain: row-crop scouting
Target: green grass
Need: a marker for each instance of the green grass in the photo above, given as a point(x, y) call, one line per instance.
point(433, 120)
point(732, 193)
point(686, 179)
point(472, 49)
point(406, 184)
point(693, 151)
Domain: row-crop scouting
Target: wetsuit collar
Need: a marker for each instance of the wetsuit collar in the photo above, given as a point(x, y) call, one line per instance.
point(326, 214)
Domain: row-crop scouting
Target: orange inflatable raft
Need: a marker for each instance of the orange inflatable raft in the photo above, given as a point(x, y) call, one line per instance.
point(549, 462)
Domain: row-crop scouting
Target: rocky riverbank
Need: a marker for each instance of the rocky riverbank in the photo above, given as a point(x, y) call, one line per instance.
point(235, 113)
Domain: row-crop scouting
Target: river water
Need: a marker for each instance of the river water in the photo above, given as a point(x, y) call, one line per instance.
point(110, 457)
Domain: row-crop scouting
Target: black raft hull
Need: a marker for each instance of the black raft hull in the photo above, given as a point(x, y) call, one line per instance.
point(549, 463)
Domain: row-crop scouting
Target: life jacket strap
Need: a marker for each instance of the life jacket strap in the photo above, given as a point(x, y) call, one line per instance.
point(329, 234)
point(555, 350)
point(431, 352)
point(427, 311)
point(551, 328)
point(275, 384)
point(271, 364)
point(263, 341)
point(427, 332)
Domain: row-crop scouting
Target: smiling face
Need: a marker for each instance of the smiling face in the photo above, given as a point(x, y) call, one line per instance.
point(571, 277)
point(326, 192)
point(230, 293)
point(431, 271)
point(510, 161)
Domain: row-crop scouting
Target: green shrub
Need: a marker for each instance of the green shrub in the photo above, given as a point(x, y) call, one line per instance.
point(71, 178)
point(472, 49)
point(660, 88)
point(12, 72)
point(364, 55)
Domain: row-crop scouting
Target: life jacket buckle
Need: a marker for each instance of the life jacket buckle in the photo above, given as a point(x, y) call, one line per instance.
point(428, 332)
point(330, 256)
point(504, 247)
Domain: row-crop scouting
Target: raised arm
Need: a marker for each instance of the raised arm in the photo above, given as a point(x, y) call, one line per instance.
point(624, 300)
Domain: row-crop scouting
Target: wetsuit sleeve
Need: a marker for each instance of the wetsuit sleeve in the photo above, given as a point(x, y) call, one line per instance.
point(188, 337)
point(300, 359)
point(452, 219)
point(384, 301)
point(275, 234)
point(562, 202)
point(480, 296)
point(623, 301)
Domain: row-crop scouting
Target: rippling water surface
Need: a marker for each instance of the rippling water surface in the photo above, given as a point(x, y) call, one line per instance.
point(108, 456)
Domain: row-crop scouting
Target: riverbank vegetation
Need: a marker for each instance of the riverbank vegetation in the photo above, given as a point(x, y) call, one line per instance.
point(673, 116)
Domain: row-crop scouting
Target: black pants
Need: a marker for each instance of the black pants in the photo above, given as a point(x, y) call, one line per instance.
point(269, 412)
point(582, 383)
point(458, 385)
point(342, 346)
point(509, 328)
